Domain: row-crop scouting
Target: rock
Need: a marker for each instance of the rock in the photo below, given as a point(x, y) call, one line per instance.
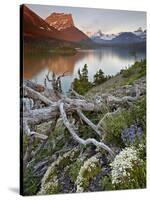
point(60, 20)
point(50, 181)
point(133, 92)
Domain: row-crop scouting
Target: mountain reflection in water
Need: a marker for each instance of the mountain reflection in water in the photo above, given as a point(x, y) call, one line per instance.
point(110, 60)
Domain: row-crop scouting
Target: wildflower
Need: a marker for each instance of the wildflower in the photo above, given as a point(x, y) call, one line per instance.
point(87, 171)
point(123, 165)
point(129, 135)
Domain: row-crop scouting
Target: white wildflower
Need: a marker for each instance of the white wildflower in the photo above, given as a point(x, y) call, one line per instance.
point(88, 166)
point(123, 163)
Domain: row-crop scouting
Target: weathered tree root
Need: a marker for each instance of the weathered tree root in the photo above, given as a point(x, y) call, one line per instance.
point(89, 123)
point(60, 107)
point(77, 138)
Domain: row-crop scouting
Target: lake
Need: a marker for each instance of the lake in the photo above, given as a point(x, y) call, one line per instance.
point(110, 60)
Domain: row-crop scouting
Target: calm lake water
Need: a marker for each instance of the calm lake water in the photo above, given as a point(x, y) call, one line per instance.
point(110, 60)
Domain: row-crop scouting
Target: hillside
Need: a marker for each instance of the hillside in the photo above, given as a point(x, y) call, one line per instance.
point(122, 81)
point(85, 143)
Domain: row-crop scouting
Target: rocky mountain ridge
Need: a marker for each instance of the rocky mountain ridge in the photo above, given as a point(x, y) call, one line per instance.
point(58, 26)
point(60, 20)
point(136, 36)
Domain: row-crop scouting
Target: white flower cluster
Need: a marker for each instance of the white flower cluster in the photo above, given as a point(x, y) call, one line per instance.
point(141, 147)
point(49, 186)
point(88, 166)
point(123, 164)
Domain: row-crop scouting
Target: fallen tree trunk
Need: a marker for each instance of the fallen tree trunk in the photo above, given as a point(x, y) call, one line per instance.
point(37, 116)
point(61, 106)
point(30, 93)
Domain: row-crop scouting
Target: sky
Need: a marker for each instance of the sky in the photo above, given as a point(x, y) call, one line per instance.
point(93, 19)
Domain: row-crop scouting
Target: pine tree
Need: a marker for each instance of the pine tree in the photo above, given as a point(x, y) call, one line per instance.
point(82, 84)
point(85, 73)
point(99, 77)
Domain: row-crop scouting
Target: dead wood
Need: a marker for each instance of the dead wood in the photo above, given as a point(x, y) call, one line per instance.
point(62, 106)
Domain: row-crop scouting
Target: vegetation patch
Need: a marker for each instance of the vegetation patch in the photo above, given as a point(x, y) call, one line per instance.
point(128, 170)
point(49, 183)
point(115, 125)
point(136, 71)
point(70, 155)
point(87, 172)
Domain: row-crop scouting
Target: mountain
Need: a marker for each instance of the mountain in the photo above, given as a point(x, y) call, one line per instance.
point(60, 32)
point(60, 21)
point(100, 35)
point(65, 24)
point(139, 32)
point(126, 38)
point(35, 27)
point(58, 26)
point(122, 38)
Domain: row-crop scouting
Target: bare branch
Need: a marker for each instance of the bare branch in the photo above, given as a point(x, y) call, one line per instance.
point(62, 75)
point(37, 116)
point(45, 83)
point(47, 76)
point(28, 155)
point(88, 122)
point(109, 114)
point(28, 152)
point(27, 130)
point(120, 100)
point(76, 137)
point(38, 135)
point(41, 146)
point(32, 135)
point(75, 93)
point(29, 92)
point(34, 86)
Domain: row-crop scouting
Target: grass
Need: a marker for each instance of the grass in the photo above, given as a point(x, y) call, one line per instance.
point(136, 71)
point(125, 77)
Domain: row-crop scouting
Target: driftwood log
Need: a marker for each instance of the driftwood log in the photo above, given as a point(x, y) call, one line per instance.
point(58, 106)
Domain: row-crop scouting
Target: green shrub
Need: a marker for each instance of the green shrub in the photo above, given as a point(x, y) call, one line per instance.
point(100, 78)
point(114, 126)
point(121, 120)
point(82, 84)
point(138, 112)
point(136, 71)
point(30, 182)
point(74, 169)
point(106, 183)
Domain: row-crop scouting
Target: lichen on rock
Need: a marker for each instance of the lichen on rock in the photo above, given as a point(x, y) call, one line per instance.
point(88, 171)
point(49, 183)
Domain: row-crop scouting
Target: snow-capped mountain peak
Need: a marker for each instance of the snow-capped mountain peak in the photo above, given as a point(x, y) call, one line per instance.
point(139, 32)
point(99, 34)
point(129, 37)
